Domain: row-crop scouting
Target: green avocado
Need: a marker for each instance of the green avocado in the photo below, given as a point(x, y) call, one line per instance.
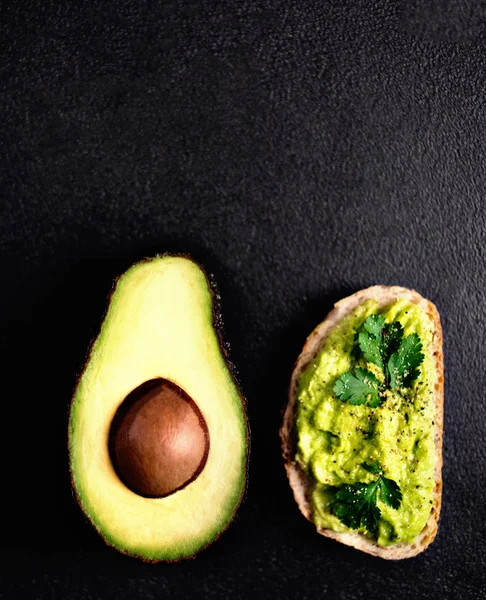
point(158, 436)
point(336, 439)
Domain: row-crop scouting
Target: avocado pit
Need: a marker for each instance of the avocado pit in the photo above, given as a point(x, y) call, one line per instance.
point(159, 440)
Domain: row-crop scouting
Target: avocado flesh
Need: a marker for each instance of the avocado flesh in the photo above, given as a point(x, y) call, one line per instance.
point(159, 323)
point(335, 438)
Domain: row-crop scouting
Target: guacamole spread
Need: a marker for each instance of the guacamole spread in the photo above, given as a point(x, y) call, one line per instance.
point(336, 439)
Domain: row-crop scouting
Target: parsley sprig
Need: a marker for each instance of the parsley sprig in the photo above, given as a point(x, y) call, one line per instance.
point(358, 387)
point(398, 357)
point(356, 506)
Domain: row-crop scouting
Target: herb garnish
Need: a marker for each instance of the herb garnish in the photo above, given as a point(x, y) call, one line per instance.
point(356, 506)
point(403, 365)
point(399, 359)
point(358, 387)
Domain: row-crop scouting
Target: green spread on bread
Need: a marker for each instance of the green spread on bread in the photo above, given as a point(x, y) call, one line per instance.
point(365, 423)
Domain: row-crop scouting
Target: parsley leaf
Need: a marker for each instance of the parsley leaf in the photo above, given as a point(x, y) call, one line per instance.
point(403, 365)
point(379, 340)
point(370, 348)
point(373, 467)
point(356, 506)
point(370, 340)
point(358, 387)
point(374, 324)
point(390, 492)
point(391, 338)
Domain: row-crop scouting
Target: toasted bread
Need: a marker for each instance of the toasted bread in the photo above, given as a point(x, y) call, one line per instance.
point(300, 483)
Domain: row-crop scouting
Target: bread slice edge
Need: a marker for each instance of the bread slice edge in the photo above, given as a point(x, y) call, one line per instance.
point(299, 482)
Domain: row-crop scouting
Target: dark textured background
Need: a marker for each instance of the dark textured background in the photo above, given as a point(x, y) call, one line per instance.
point(301, 150)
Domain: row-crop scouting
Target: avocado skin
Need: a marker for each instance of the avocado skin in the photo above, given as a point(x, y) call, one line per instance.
point(218, 326)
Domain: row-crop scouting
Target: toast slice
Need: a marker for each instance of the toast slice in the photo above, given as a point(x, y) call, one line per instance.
point(299, 482)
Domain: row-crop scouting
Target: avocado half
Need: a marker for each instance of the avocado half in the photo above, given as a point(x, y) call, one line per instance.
point(159, 330)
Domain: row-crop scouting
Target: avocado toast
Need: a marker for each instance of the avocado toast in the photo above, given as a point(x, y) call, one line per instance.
point(362, 431)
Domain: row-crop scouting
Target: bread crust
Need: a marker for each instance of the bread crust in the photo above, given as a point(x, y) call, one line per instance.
point(299, 482)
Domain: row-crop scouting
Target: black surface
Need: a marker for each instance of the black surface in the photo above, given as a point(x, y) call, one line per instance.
point(301, 151)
